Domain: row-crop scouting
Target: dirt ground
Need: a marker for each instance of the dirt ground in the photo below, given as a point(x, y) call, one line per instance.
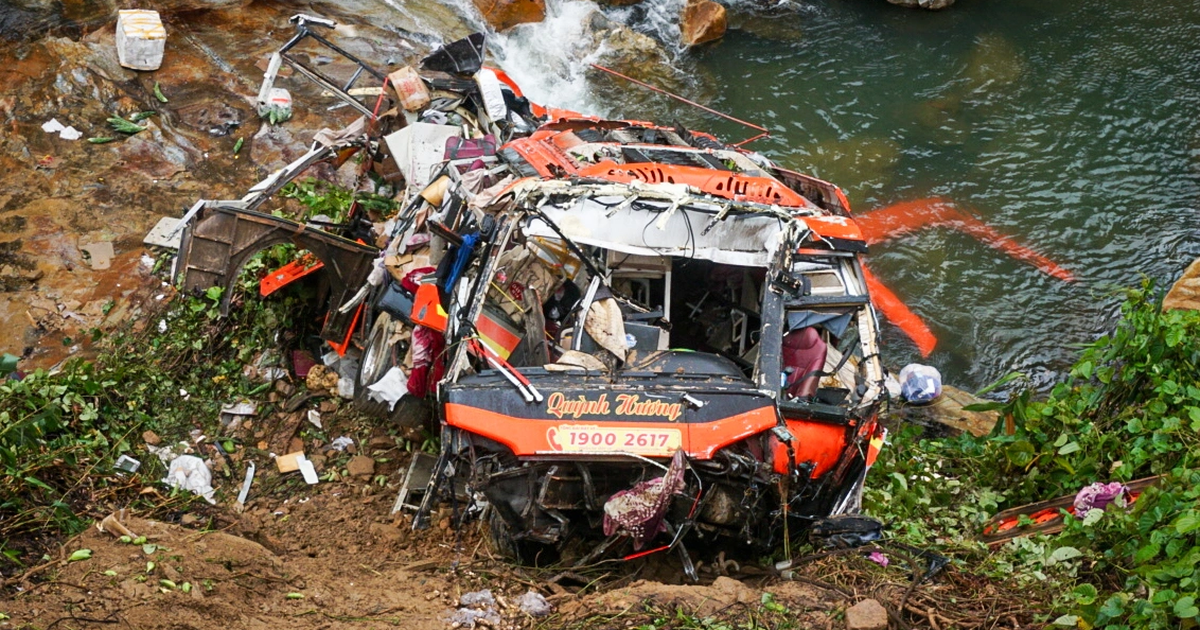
point(334, 557)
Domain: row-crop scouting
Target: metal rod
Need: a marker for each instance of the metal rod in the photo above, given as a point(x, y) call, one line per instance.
point(764, 130)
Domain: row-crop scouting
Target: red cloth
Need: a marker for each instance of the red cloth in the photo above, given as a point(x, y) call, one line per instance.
point(804, 352)
point(429, 362)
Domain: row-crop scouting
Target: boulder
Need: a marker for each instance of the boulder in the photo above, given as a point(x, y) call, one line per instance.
point(1185, 293)
point(629, 52)
point(946, 416)
point(866, 615)
point(505, 14)
point(932, 5)
point(701, 21)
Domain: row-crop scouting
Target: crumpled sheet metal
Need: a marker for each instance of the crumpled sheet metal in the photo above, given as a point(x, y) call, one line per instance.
point(638, 512)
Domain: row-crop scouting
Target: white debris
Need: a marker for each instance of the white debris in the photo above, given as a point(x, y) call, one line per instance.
point(70, 133)
point(390, 388)
point(141, 39)
point(314, 416)
point(533, 604)
point(307, 469)
point(341, 443)
point(477, 599)
point(52, 126)
point(345, 388)
point(189, 473)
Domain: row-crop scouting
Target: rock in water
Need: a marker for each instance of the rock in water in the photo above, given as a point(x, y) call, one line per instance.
point(505, 14)
point(701, 21)
point(1185, 294)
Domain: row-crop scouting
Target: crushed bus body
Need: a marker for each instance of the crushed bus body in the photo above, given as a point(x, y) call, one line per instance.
point(629, 333)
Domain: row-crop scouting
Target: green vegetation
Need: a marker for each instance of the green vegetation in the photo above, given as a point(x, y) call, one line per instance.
point(1129, 409)
point(324, 198)
point(61, 432)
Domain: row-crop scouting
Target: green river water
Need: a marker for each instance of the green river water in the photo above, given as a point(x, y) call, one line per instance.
point(1071, 125)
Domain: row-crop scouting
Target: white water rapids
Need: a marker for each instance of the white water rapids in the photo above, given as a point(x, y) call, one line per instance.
point(549, 59)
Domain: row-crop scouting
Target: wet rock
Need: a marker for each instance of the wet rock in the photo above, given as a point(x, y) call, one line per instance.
point(274, 147)
point(361, 466)
point(933, 5)
point(505, 14)
point(994, 62)
point(628, 52)
point(214, 118)
point(152, 154)
point(946, 416)
point(184, 6)
point(1185, 293)
point(702, 21)
point(866, 615)
point(864, 163)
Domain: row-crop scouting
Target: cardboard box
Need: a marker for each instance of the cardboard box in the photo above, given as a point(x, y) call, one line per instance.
point(141, 39)
point(290, 462)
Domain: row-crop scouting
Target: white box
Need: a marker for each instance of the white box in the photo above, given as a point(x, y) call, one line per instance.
point(141, 39)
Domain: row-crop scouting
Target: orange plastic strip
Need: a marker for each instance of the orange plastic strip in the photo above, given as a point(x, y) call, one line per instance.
point(288, 274)
point(908, 216)
point(899, 314)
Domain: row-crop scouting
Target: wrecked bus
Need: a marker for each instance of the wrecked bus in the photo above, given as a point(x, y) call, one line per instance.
point(627, 331)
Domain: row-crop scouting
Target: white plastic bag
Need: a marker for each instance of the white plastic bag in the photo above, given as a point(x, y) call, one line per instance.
point(190, 473)
point(920, 384)
point(390, 388)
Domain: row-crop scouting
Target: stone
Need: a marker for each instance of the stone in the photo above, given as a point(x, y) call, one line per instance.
point(151, 438)
point(866, 615)
point(185, 6)
point(99, 255)
point(627, 51)
point(361, 466)
point(932, 5)
point(702, 21)
point(505, 14)
point(385, 532)
point(946, 416)
point(156, 153)
point(1185, 293)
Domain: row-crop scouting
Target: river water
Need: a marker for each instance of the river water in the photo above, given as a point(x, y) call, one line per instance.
point(1073, 126)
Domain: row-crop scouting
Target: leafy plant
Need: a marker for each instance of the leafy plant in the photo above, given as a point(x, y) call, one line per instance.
point(1130, 408)
point(61, 432)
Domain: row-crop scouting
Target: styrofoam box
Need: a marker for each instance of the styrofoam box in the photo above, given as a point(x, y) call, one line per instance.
point(141, 39)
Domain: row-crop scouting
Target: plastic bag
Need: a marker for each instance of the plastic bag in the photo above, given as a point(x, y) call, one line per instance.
point(920, 384)
point(190, 473)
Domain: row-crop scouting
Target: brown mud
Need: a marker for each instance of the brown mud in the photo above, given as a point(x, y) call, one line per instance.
point(57, 195)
